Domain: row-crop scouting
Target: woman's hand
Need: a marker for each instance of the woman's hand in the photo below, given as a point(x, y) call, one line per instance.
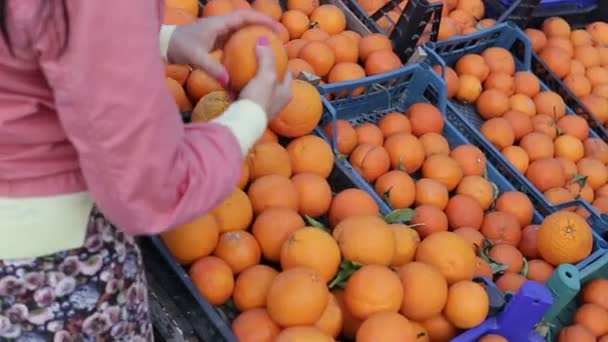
point(265, 89)
point(191, 44)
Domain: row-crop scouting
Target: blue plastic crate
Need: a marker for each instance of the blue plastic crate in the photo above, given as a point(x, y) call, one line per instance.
point(548, 8)
point(418, 83)
point(466, 119)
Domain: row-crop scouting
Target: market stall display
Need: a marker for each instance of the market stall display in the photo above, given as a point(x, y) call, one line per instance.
point(425, 202)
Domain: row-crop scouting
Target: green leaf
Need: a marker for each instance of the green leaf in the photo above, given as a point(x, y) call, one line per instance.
point(314, 223)
point(347, 268)
point(341, 156)
point(580, 179)
point(400, 215)
point(525, 268)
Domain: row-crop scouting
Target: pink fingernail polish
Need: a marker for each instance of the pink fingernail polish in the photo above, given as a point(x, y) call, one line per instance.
point(263, 41)
point(224, 79)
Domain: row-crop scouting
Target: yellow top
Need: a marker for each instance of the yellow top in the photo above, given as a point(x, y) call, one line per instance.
point(33, 227)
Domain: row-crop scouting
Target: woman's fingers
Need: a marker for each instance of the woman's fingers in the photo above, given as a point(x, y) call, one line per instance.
point(266, 60)
point(215, 69)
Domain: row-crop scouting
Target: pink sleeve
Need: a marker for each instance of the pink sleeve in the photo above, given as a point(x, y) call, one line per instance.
point(146, 170)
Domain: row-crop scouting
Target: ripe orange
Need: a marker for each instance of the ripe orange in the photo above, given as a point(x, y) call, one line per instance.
point(273, 191)
point(255, 325)
point(467, 305)
point(457, 260)
point(251, 287)
point(297, 296)
point(272, 227)
point(302, 113)
point(373, 289)
point(314, 194)
point(313, 248)
point(193, 240)
point(239, 249)
point(213, 278)
point(235, 213)
point(379, 246)
point(386, 326)
point(425, 291)
point(564, 237)
point(351, 202)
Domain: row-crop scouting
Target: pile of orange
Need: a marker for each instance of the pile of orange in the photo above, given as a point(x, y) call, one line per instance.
point(458, 17)
point(579, 57)
point(313, 38)
point(591, 318)
point(532, 129)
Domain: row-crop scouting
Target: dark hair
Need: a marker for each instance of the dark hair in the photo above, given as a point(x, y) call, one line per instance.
point(4, 31)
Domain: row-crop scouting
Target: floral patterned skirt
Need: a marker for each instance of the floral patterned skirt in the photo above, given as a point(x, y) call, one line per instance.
point(94, 293)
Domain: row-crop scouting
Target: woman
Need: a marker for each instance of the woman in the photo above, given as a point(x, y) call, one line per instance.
point(86, 117)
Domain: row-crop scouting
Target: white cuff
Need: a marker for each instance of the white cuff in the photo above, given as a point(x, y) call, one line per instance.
point(166, 31)
point(247, 121)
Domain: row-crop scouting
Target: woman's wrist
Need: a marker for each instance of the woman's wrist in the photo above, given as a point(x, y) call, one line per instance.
point(246, 120)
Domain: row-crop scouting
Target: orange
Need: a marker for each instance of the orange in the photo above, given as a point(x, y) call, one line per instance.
point(474, 65)
point(315, 34)
point(444, 169)
point(332, 319)
point(319, 55)
point(471, 159)
point(213, 278)
point(346, 135)
point(310, 153)
point(251, 287)
point(369, 133)
point(501, 227)
point(272, 191)
point(539, 270)
point(429, 220)
point(397, 187)
point(178, 72)
point(467, 305)
point(564, 237)
point(518, 204)
point(520, 122)
point(346, 71)
point(382, 61)
point(406, 242)
point(526, 83)
point(344, 48)
point(469, 88)
point(272, 227)
point(239, 249)
point(595, 291)
point(189, 5)
point(550, 103)
point(434, 143)
point(200, 83)
point(297, 296)
point(268, 158)
point(296, 66)
point(217, 7)
point(306, 6)
point(178, 16)
point(459, 204)
point(433, 192)
point(457, 260)
point(439, 328)
point(386, 326)
point(329, 18)
point(394, 122)
point(405, 151)
point(240, 57)
point(235, 213)
point(351, 202)
point(425, 291)
point(183, 103)
point(593, 317)
point(507, 255)
point(425, 118)
point(479, 188)
point(498, 131)
point(255, 325)
point(302, 113)
point(192, 240)
point(271, 8)
point(373, 42)
point(538, 145)
point(518, 157)
point(370, 161)
point(472, 235)
point(303, 333)
point(373, 289)
point(365, 239)
point(314, 194)
point(499, 59)
point(575, 333)
point(569, 147)
point(546, 174)
point(313, 248)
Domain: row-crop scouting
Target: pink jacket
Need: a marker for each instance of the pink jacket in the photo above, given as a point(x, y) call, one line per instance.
point(100, 118)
